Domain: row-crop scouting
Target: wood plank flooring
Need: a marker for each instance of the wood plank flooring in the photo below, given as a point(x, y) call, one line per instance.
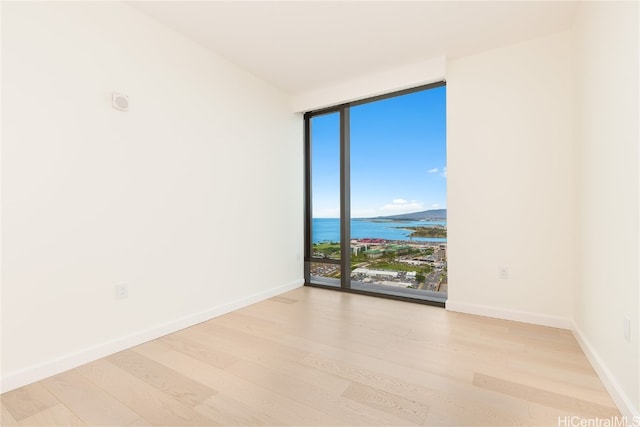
point(315, 357)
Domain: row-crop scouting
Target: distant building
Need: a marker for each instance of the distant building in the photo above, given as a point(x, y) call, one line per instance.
point(441, 253)
point(376, 241)
point(373, 253)
point(399, 249)
point(412, 261)
point(373, 273)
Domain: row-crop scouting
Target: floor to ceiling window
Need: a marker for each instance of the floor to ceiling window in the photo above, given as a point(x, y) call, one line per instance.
point(376, 218)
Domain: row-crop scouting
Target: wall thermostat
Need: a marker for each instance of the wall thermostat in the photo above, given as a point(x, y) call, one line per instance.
point(120, 101)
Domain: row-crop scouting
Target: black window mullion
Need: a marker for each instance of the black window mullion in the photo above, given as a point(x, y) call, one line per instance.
point(345, 199)
point(308, 252)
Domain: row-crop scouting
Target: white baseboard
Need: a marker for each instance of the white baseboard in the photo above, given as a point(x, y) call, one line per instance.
point(620, 398)
point(507, 314)
point(22, 377)
point(622, 401)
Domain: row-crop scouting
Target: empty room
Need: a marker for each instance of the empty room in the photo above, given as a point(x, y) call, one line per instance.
point(320, 213)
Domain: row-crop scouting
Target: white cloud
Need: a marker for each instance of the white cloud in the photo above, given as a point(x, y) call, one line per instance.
point(434, 170)
point(444, 172)
point(400, 206)
point(435, 205)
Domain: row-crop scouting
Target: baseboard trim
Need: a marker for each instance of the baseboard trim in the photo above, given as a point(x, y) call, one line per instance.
point(507, 314)
point(22, 377)
point(620, 398)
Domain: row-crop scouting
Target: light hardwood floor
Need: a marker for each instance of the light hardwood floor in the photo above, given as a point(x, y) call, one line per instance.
point(315, 357)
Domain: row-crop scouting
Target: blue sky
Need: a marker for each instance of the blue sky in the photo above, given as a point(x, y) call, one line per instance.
point(398, 157)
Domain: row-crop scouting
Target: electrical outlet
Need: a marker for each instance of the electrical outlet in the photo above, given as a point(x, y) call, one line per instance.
point(627, 328)
point(122, 291)
point(503, 273)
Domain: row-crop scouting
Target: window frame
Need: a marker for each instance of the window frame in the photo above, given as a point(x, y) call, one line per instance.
point(346, 284)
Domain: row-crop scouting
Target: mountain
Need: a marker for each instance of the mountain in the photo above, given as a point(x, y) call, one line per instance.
point(438, 214)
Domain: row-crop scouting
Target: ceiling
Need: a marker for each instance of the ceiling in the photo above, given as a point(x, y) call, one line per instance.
point(301, 46)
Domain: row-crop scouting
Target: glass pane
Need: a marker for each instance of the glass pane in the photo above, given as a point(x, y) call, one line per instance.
point(325, 274)
point(325, 186)
point(398, 194)
point(326, 249)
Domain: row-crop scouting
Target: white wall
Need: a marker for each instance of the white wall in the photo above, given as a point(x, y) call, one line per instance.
point(377, 83)
point(510, 182)
point(192, 198)
point(606, 140)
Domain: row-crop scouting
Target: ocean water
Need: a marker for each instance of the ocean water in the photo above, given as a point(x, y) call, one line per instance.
point(328, 230)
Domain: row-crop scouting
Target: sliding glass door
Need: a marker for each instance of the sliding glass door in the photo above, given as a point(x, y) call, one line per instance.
point(376, 196)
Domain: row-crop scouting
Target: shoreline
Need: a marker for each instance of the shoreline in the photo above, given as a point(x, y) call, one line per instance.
point(379, 240)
